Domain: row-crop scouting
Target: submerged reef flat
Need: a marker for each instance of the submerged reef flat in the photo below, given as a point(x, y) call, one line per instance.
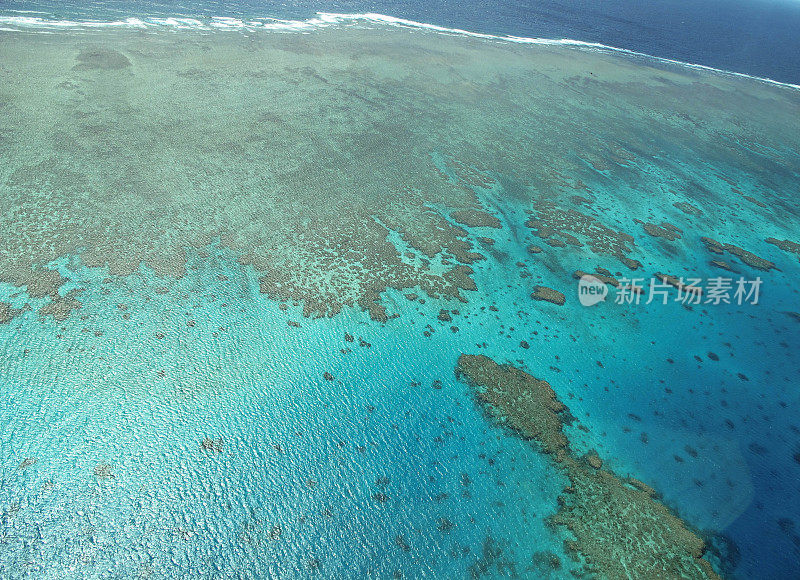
point(620, 529)
point(345, 162)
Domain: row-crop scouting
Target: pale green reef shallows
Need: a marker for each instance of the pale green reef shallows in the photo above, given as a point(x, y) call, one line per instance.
point(330, 161)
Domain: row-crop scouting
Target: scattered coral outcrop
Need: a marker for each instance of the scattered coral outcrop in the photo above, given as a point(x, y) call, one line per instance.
point(562, 227)
point(600, 273)
point(678, 283)
point(785, 245)
point(549, 295)
point(688, 208)
point(748, 258)
point(666, 230)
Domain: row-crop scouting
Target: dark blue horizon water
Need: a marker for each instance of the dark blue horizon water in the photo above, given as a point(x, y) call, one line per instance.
point(755, 37)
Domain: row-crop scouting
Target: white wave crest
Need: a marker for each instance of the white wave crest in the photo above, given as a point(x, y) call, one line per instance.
point(331, 19)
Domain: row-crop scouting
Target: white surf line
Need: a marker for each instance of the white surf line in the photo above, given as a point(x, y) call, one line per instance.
point(393, 21)
point(329, 19)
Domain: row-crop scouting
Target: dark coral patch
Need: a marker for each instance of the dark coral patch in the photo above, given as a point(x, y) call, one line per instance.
point(549, 295)
point(748, 258)
point(101, 59)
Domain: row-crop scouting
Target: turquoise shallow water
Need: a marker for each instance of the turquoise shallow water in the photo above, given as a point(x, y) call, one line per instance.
point(301, 454)
point(200, 194)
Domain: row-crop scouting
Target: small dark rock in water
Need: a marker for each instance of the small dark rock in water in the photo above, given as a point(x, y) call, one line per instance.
point(524, 344)
point(535, 249)
point(437, 384)
point(547, 559)
point(722, 264)
point(348, 337)
point(215, 445)
point(25, 463)
point(444, 315)
point(380, 497)
point(103, 471)
point(493, 308)
point(742, 376)
point(402, 544)
point(445, 525)
point(786, 525)
point(327, 376)
point(713, 356)
point(797, 457)
point(275, 532)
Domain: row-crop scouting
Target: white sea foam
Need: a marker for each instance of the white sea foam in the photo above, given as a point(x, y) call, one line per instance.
point(331, 19)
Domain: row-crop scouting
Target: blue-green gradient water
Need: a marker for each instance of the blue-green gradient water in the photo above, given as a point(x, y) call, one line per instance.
point(246, 366)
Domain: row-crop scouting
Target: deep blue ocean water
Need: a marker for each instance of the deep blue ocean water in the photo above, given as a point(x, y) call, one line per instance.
point(755, 37)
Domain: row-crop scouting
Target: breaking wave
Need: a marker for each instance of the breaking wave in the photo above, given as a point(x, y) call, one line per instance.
point(29, 22)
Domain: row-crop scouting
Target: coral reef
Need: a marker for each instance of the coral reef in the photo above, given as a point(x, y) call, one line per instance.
point(600, 273)
point(215, 445)
point(746, 257)
point(474, 218)
point(61, 307)
point(576, 229)
point(7, 312)
point(327, 222)
point(676, 282)
point(666, 230)
point(785, 245)
point(548, 294)
point(688, 208)
point(620, 529)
